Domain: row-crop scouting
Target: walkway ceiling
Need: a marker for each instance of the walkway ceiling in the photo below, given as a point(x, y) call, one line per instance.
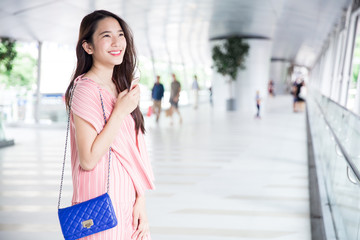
point(180, 30)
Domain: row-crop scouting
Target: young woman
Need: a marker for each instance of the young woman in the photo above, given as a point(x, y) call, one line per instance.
point(106, 61)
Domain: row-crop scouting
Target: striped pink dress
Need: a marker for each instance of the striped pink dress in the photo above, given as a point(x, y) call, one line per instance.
point(130, 171)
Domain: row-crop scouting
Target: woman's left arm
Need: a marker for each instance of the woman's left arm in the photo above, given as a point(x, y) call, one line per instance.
point(140, 220)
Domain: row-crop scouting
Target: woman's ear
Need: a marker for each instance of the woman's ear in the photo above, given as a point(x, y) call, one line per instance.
point(87, 47)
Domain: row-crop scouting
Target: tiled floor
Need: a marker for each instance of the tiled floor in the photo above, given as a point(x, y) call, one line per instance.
point(218, 177)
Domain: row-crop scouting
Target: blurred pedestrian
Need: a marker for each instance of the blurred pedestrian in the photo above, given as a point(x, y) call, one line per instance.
point(271, 88)
point(258, 102)
point(298, 99)
point(157, 95)
point(195, 88)
point(174, 98)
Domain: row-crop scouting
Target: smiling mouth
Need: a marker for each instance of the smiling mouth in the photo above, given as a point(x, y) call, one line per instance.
point(115, 53)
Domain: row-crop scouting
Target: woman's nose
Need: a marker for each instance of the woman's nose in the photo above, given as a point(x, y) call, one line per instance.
point(115, 41)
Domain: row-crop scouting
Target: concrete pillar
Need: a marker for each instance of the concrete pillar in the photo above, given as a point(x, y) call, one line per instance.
point(254, 77)
point(347, 65)
point(325, 80)
point(37, 101)
point(149, 41)
point(219, 84)
point(340, 52)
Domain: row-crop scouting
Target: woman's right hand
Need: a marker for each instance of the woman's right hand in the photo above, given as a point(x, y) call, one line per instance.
point(127, 101)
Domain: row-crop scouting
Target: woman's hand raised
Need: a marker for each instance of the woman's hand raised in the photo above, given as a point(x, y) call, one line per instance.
point(127, 101)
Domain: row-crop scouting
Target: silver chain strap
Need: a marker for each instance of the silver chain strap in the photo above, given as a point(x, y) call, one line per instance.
point(66, 143)
point(108, 180)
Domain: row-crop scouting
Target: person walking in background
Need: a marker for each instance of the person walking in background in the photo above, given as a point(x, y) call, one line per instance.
point(105, 120)
point(296, 90)
point(174, 98)
point(157, 95)
point(271, 88)
point(258, 102)
point(195, 88)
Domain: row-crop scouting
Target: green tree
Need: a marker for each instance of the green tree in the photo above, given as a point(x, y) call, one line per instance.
point(24, 72)
point(230, 56)
point(7, 55)
point(228, 59)
point(17, 69)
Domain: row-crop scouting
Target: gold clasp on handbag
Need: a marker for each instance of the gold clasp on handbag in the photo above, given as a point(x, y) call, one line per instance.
point(87, 223)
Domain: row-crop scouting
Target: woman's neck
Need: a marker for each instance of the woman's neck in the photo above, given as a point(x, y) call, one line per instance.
point(103, 75)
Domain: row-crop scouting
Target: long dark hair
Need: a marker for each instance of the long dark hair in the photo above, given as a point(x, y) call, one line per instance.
point(122, 74)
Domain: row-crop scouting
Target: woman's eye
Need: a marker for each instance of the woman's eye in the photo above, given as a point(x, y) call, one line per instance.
point(107, 35)
point(121, 34)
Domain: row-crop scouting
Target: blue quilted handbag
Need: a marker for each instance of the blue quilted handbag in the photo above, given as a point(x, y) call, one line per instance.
point(89, 217)
point(86, 218)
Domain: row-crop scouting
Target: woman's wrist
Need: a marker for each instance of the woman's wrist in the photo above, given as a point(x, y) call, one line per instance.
point(118, 114)
point(140, 198)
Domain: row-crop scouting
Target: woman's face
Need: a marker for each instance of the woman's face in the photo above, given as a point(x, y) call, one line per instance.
point(109, 43)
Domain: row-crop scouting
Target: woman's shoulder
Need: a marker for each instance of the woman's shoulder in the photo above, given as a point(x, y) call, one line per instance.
point(85, 81)
point(85, 87)
point(87, 84)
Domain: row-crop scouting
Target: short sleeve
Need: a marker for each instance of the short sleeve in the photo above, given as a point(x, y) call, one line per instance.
point(86, 104)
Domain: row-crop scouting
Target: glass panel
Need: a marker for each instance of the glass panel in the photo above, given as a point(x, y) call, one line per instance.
point(343, 195)
point(355, 69)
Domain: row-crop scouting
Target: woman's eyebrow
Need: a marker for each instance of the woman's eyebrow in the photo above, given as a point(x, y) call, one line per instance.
point(109, 32)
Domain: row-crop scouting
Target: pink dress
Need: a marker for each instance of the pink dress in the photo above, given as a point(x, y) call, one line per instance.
point(130, 171)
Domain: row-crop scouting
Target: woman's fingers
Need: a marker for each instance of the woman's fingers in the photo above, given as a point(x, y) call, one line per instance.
point(135, 220)
point(135, 234)
point(141, 235)
point(135, 94)
point(128, 100)
point(141, 232)
point(135, 90)
point(123, 93)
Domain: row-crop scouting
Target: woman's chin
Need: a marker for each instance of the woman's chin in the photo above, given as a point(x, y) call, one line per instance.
point(118, 62)
point(115, 63)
